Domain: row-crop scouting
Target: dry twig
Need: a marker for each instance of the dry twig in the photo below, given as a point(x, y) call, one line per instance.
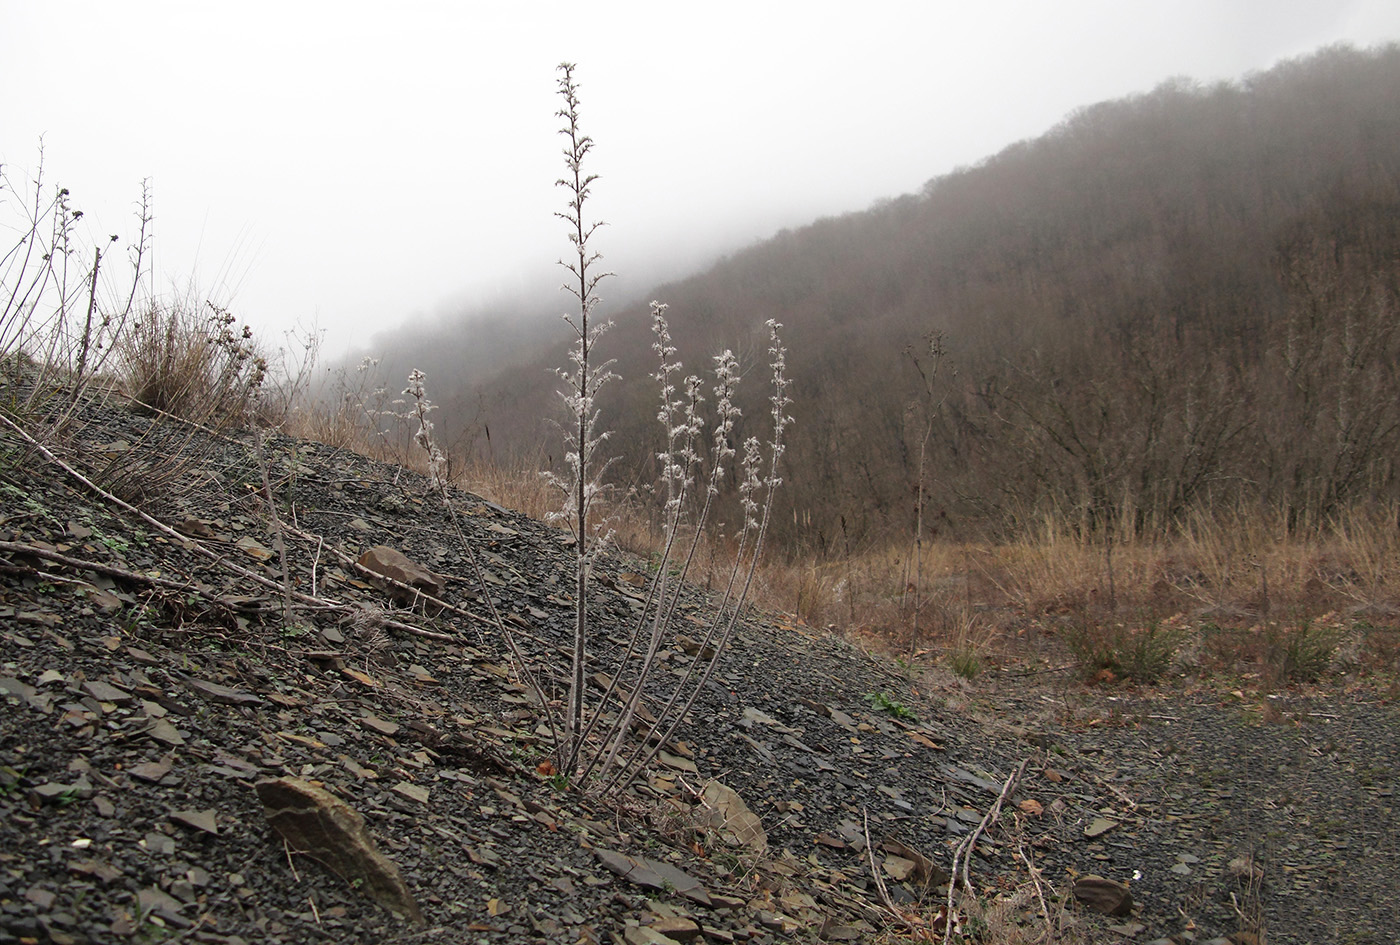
point(963, 853)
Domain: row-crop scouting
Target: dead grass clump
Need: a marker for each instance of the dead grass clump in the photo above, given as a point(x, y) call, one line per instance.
point(1231, 593)
point(193, 364)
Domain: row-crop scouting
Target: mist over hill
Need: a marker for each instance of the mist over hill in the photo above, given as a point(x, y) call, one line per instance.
point(1169, 303)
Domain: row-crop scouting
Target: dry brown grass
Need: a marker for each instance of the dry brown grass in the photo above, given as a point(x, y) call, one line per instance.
point(1233, 593)
point(193, 361)
point(190, 370)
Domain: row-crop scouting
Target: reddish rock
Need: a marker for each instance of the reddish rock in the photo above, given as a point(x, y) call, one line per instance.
point(389, 563)
point(315, 822)
point(1104, 896)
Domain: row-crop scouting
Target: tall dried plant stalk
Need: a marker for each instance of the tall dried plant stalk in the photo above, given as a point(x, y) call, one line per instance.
point(592, 745)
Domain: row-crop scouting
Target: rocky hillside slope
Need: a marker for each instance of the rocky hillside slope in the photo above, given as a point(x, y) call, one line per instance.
point(168, 733)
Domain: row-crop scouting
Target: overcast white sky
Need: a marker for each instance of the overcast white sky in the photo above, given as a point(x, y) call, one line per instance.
point(364, 163)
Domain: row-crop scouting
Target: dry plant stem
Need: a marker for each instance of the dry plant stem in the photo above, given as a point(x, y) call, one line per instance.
point(880, 886)
point(1116, 791)
point(316, 563)
point(963, 853)
point(582, 386)
point(1034, 874)
point(927, 377)
point(188, 542)
point(424, 438)
point(87, 328)
point(680, 462)
point(278, 541)
point(76, 347)
point(733, 600)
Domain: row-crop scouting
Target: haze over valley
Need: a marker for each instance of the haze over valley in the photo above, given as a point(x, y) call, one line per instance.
point(1175, 302)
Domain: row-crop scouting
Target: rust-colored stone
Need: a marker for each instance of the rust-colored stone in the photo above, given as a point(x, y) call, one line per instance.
point(317, 823)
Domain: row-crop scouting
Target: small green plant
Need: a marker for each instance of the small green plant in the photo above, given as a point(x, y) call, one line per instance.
point(1301, 653)
point(10, 779)
point(965, 662)
point(18, 498)
point(113, 543)
point(885, 703)
point(1122, 652)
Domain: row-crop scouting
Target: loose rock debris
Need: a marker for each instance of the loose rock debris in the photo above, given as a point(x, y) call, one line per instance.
point(148, 693)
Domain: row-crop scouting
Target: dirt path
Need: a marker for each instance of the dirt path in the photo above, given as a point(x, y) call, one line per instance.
point(1296, 792)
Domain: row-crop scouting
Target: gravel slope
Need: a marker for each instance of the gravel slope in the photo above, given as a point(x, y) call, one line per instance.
point(148, 689)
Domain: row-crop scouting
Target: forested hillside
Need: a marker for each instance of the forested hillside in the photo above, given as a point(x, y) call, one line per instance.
point(1178, 301)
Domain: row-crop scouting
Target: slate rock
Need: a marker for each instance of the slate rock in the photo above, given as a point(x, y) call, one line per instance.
point(676, 928)
point(315, 822)
point(219, 693)
point(642, 935)
point(1099, 826)
point(106, 692)
point(197, 819)
point(923, 870)
point(653, 874)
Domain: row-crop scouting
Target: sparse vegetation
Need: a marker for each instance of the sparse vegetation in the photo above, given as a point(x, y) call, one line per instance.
point(888, 704)
point(1142, 654)
point(1111, 546)
point(964, 661)
point(1301, 651)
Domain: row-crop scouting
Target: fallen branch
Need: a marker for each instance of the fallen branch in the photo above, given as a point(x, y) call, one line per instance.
point(18, 548)
point(190, 587)
point(963, 852)
point(880, 886)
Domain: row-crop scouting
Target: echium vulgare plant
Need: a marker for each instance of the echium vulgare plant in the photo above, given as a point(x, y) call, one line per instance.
point(591, 740)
